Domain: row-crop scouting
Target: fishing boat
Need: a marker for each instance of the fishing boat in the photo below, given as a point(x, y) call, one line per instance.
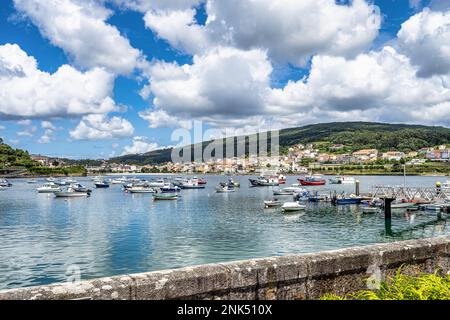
point(101, 184)
point(281, 179)
point(269, 181)
point(345, 200)
point(50, 187)
point(141, 189)
point(5, 183)
point(272, 203)
point(70, 193)
point(292, 206)
point(191, 184)
point(201, 181)
point(225, 188)
point(165, 196)
point(312, 180)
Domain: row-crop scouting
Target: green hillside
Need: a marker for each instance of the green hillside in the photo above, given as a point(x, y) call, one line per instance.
point(10, 157)
point(354, 135)
point(20, 160)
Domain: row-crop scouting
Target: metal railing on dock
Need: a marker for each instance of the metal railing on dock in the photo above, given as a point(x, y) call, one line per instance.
point(411, 193)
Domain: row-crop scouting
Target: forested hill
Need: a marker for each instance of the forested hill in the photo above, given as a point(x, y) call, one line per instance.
point(354, 135)
point(10, 157)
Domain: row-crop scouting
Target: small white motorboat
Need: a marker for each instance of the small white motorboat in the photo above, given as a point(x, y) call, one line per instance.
point(160, 183)
point(70, 193)
point(32, 181)
point(370, 210)
point(292, 206)
point(3, 188)
point(5, 183)
point(272, 203)
point(49, 188)
point(225, 189)
point(122, 180)
point(141, 189)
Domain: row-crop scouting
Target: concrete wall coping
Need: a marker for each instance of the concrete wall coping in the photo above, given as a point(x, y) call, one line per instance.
point(219, 280)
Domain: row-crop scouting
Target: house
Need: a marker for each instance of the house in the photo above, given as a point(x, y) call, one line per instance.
point(393, 155)
point(366, 155)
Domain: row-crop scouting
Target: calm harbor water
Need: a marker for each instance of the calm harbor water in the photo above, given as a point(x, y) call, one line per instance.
point(45, 240)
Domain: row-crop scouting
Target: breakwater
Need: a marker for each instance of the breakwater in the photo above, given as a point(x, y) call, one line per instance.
point(306, 276)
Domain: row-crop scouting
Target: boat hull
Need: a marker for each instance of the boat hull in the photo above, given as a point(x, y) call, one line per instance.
point(347, 201)
point(101, 186)
point(71, 194)
point(193, 187)
point(162, 197)
point(304, 182)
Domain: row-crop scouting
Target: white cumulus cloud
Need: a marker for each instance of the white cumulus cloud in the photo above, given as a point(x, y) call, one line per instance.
point(79, 27)
point(100, 127)
point(224, 82)
point(425, 38)
point(27, 92)
point(140, 145)
point(291, 31)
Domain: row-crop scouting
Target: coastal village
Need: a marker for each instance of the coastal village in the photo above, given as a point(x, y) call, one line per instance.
point(298, 159)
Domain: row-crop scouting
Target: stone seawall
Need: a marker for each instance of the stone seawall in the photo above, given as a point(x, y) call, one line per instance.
point(307, 276)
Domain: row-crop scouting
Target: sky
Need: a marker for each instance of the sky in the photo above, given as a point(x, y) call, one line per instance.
point(103, 78)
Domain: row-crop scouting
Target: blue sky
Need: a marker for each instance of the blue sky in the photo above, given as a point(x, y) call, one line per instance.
point(152, 94)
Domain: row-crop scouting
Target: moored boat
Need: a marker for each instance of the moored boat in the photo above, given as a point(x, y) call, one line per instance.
point(165, 196)
point(70, 193)
point(5, 183)
point(269, 181)
point(50, 187)
point(342, 180)
point(272, 203)
point(312, 180)
point(292, 206)
point(141, 189)
point(370, 210)
point(101, 184)
point(233, 183)
point(80, 188)
point(191, 184)
point(32, 181)
point(225, 188)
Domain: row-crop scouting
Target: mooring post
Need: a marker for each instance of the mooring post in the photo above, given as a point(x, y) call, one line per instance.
point(387, 207)
point(357, 188)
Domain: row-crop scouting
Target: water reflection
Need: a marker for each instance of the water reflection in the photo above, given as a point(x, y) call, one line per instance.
point(113, 233)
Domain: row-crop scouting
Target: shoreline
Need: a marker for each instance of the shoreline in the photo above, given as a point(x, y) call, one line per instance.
point(427, 174)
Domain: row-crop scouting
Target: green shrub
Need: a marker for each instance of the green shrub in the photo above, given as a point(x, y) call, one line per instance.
point(404, 287)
